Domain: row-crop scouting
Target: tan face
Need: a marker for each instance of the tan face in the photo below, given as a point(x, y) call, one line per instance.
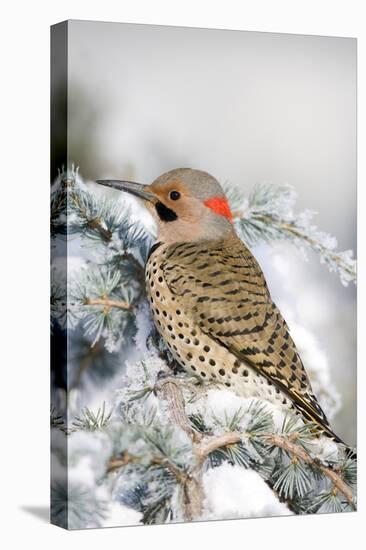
point(176, 197)
point(182, 217)
point(187, 205)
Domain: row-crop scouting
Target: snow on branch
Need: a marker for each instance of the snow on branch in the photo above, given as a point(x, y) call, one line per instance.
point(159, 447)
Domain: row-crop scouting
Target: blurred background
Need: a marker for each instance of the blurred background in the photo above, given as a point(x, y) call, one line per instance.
point(246, 107)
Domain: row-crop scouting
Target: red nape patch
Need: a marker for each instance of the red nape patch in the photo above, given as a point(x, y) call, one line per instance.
point(220, 206)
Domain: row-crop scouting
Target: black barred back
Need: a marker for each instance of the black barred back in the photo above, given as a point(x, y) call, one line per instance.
point(222, 289)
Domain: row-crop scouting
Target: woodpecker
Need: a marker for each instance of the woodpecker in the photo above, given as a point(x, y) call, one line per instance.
point(210, 301)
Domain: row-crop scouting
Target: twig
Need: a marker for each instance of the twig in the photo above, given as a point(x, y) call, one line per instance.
point(285, 443)
point(107, 303)
point(106, 234)
point(117, 462)
point(179, 474)
point(315, 245)
point(210, 445)
point(300, 453)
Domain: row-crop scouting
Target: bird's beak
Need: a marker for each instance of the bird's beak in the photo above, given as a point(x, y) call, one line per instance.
point(137, 189)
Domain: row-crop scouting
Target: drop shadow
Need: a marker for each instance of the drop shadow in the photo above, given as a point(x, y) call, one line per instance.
point(40, 512)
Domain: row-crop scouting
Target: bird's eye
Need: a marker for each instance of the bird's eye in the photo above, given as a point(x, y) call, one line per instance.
point(174, 195)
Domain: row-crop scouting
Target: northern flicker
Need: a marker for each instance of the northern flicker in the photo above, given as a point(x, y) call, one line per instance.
point(209, 299)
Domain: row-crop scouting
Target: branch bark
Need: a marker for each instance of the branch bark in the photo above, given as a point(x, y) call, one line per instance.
point(211, 444)
point(171, 392)
point(117, 462)
point(299, 452)
point(192, 485)
point(106, 302)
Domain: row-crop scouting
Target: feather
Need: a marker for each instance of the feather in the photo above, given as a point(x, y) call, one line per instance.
point(224, 292)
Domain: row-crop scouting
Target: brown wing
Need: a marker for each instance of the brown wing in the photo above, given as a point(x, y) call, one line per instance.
point(222, 286)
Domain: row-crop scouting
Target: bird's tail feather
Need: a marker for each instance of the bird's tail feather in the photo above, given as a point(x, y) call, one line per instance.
point(349, 451)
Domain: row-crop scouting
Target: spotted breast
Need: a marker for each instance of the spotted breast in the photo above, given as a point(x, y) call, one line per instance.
point(212, 307)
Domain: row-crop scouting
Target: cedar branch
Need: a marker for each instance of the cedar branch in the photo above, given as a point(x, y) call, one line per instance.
point(285, 443)
point(315, 245)
point(169, 390)
point(192, 485)
point(300, 453)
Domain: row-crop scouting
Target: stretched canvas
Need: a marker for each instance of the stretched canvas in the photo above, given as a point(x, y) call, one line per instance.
point(203, 300)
